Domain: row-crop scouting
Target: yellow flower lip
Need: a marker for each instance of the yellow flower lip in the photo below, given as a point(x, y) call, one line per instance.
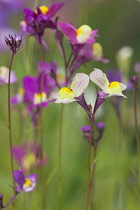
point(66, 93)
point(43, 9)
point(97, 50)
point(40, 97)
point(83, 33)
point(28, 183)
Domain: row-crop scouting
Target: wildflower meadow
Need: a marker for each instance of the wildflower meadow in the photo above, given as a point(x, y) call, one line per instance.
point(69, 105)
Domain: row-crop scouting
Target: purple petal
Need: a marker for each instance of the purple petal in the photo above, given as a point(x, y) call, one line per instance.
point(19, 177)
point(92, 39)
point(54, 8)
point(69, 30)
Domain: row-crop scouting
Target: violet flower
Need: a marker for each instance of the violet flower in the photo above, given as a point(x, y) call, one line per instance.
point(82, 35)
point(35, 22)
point(25, 184)
point(4, 74)
point(28, 156)
point(32, 87)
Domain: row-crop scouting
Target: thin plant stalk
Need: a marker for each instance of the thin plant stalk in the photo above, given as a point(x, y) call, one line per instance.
point(60, 159)
point(89, 165)
point(9, 124)
point(41, 132)
point(137, 133)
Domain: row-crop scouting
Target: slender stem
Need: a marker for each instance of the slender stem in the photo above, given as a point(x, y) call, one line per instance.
point(93, 174)
point(89, 165)
point(41, 131)
point(9, 124)
point(59, 159)
point(65, 61)
point(137, 133)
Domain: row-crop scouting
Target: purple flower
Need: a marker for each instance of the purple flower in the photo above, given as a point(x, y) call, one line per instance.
point(82, 35)
point(4, 74)
point(13, 43)
point(100, 126)
point(36, 21)
point(37, 90)
point(26, 184)
point(134, 81)
point(28, 156)
point(93, 52)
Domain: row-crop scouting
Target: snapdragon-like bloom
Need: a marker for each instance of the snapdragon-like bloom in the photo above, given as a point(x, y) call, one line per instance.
point(82, 35)
point(109, 88)
point(78, 85)
point(26, 184)
point(36, 21)
point(4, 74)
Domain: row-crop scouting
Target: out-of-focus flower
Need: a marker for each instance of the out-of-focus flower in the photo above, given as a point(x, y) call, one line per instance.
point(109, 89)
point(26, 184)
point(13, 43)
point(123, 57)
point(137, 67)
point(82, 35)
point(78, 85)
point(37, 90)
point(4, 74)
point(100, 126)
point(134, 81)
point(19, 97)
point(28, 156)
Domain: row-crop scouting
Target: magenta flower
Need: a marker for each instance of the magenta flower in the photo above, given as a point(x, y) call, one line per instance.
point(36, 21)
point(82, 35)
point(4, 74)
point(33, 96)
point(25, 184)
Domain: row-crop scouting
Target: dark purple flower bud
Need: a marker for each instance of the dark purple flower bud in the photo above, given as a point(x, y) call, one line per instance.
point(100, 126)
point(134, 81)
point(86, 132)
point(13, 43)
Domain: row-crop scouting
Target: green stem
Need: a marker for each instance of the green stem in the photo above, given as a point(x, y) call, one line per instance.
point(41, 132)
point(9, 124)
point(89, 165)
point(59, 159)
point(137, 133)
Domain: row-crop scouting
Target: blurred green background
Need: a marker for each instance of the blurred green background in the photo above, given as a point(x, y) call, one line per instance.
point(115, 181)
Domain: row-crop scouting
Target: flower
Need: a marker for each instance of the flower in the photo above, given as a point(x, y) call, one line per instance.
point(36, 21)
point(78, 85)
point(4, 74)
point(82, 35)
point(26, 184)
point(13, 43)
point(109, 89)
point(28, 155)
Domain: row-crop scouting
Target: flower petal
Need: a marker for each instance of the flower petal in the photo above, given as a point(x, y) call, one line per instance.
point(79, 83)
point(69, 30)
point(123, 86)
point(100, 79)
